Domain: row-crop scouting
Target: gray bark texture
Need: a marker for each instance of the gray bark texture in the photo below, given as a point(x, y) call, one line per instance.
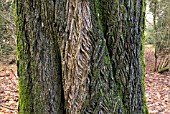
point(80, 56)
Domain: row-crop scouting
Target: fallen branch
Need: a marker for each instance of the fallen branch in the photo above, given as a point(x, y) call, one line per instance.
point(12, 71)
point(164, 69)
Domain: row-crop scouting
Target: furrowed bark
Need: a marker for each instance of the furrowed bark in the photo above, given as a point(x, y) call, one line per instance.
point(125, 43)
point(76, 51)
point(80, 56)
point(39, 59)
point(87, 73)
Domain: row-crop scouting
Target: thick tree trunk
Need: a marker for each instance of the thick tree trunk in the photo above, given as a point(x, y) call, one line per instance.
point(39, 59)
point(125, 36)
point(80, 56)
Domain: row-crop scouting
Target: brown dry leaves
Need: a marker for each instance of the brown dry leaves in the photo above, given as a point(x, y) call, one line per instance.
point(158, 93)
point(157, 87)
point(8, 90)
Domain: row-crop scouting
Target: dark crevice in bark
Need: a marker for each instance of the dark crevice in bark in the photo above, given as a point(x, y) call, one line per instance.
point(62, 110)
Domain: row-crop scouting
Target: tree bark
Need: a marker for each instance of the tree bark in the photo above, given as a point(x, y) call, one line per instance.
point(125, 38)
point(80, 56)
point(39, 59)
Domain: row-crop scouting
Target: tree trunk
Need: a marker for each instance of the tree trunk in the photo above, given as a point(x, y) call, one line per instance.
point(80, 56)
point(125, 40)
point(39, 59)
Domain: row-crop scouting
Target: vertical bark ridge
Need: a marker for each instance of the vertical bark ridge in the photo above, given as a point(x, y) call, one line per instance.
point(124, 39)
point(76, 55)
point(39, 65)
point(103, 95)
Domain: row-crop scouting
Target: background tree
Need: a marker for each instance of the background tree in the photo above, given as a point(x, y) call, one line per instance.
point(7, 31)
point(161, 14)
point(80, 56)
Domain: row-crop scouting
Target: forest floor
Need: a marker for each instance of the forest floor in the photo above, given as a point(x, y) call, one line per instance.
point(157, 87)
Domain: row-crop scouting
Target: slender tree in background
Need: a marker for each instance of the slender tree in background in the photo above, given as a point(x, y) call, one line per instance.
point(161, 14)
point(7, 31)
point(80, 56)
point(155, 29)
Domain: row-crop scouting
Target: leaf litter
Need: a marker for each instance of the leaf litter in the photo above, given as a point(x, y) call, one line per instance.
point(8, 89)
point(157, 87)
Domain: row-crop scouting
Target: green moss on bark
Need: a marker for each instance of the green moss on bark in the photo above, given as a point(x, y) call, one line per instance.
point(22, 64)
point(142, 59)
point(102, 13)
